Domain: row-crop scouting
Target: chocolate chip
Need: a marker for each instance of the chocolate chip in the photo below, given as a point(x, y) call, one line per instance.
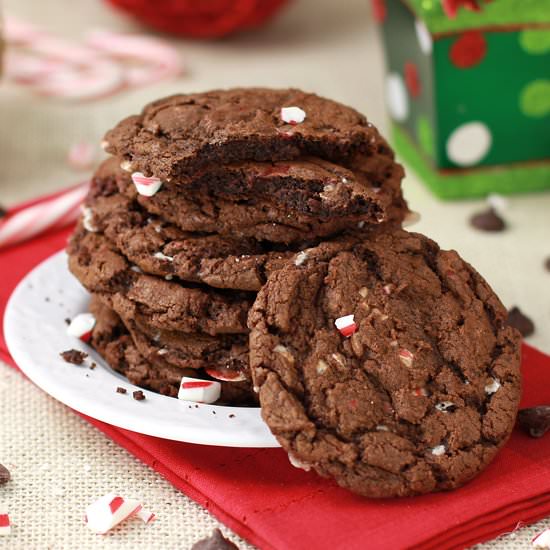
point(521, 322)
point(121, 390)
point(488, 221)
point(4, 475)
point(535, 421)
point(74, 356)
point(215, 542)
point(138, 395)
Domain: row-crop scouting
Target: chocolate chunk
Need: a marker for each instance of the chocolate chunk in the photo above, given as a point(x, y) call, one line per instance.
point(488, 221)
point(121, 390)
point(4, 475)
point(521, 322)
point(138, 395)
point(535, 421)
point(74, 356)
point(215, 542)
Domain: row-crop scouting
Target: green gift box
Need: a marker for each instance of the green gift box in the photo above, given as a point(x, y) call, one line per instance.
point(469, 94)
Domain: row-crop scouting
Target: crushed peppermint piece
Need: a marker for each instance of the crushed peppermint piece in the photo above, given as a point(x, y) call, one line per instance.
point(445, 406)
point(285, 352)
point(226, 374)
point(108, 511)
point(492, 386)
point(339, 358)
point(293, 115)
point(199, 391)
point(388, 289)
point(346, 325)
point(439, 450)
point(146, 186)
point(126, 165)
point(5, 527)
point(542, 540)
point(161, 256)
point(136, 269)
point(297, 463)
point(146, 516)
point(73, 356)
point(382, 428)
point(81, 326)
point(421, 392)
point(300, 258)
point(169, 277)
point(321, 366)
point(138, 395)
point(406, 357)
point(87, 219)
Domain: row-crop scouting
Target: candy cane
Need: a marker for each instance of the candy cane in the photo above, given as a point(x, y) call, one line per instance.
point(55, 212)
point(160, 59)
point(200, 391)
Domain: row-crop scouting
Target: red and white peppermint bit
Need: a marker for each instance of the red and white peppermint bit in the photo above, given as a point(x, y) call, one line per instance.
point(439, 450)
point(420, 392)
point(493, 386)
point(88, 219)
point(297, 463)
point(82, 155)
point(81, 326)
point(199, 391)
point(5, 527)
point(146, 186)
point(346, 325)
point(51, 213)
point(108, 511)
point(406, 357)
point(542, 540)
point(226, 375)
point(146, 516)
point(293, 115)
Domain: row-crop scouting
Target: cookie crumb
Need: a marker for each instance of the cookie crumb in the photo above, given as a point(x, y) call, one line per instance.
point(518, 320)
point(488, 220)
point(231, 416)
point(138, 395)
point(73, 356)
point(216, 541)
point(535, 421)
point(93, 366)
point(5, 475)
point(67, 321)
point(121, 390)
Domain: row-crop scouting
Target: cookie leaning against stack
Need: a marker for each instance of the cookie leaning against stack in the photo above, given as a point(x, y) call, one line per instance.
point(380, 360)
point(208, 194)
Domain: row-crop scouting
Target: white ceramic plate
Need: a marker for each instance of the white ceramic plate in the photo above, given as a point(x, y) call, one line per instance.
point(35, 332)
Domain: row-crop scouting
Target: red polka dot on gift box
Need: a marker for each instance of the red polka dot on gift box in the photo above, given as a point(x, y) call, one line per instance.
point(469, 50)
point(201, 19)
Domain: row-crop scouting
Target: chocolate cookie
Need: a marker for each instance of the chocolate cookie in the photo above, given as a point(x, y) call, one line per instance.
point(175, 136)
point(167, 305)
point(161, 248)
point(112, 340)
point(417, 388)
point(256, 216)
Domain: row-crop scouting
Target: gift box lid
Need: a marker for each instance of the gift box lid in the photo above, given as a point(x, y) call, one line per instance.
point(494, 13)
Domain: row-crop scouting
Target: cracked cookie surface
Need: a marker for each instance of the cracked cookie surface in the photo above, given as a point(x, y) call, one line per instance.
point(415, 393)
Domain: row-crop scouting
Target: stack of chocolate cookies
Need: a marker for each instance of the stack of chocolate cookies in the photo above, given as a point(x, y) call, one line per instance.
point(205, 196)
point(246, 245)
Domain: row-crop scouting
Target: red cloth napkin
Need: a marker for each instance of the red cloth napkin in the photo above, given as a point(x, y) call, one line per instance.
point(258, 494)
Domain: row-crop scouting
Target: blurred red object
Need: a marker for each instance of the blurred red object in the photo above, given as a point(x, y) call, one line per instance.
point(201, 18)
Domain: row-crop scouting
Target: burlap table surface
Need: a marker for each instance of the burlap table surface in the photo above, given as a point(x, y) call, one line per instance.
point(59, 462)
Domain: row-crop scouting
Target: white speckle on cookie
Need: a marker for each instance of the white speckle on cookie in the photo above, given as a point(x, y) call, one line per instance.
point(161, 256)
point(300, 258)
point(492, 386)
point(406, 357)
point(439, 450)
point(321, 366)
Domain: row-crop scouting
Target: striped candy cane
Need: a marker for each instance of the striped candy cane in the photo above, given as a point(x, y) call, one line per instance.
point(54, 211)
